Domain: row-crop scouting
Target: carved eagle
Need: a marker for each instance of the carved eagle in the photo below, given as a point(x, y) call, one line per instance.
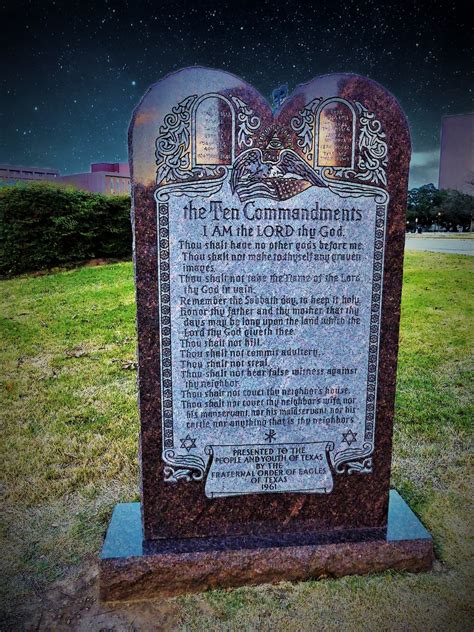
point(278, 180)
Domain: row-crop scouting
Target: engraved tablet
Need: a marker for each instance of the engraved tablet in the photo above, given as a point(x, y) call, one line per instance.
point(268, 248)
point(335, 135)
point(261, 399)
point(257, 397)
point(266, 357)
point(214, 126)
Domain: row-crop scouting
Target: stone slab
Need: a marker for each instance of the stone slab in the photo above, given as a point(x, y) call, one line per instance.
point(131, 568)
point(206, 152)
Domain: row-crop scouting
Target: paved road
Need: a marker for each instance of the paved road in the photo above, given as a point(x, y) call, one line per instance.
point(439, 244)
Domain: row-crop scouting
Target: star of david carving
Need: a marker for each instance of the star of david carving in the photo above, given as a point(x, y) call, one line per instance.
point(349, 437)
point(188, 443)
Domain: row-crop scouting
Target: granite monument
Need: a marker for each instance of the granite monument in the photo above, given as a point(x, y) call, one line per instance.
point(268, 252)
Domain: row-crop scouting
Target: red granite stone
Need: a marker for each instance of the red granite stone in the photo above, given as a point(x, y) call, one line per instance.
point(169, 575)
point(357, 501)
point(128, 571)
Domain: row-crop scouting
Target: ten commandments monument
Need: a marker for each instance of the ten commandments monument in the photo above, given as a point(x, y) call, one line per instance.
point(268, 259)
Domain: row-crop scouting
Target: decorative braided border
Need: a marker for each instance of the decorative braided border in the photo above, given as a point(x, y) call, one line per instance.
point(165, 323)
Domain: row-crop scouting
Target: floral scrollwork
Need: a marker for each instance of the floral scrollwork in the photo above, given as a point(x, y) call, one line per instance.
point(248, 122)
point(188, 467)
point(173, 143)
point(303, 125)
point(354, 460)
point(372, 148)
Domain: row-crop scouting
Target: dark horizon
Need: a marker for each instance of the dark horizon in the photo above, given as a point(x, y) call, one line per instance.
point(78, 70)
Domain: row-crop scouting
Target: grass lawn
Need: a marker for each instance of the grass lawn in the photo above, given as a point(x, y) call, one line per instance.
point(69, 454)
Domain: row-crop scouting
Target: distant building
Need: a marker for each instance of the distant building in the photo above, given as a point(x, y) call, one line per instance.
point(456, 165)
point(10, 174)
point(111, 178)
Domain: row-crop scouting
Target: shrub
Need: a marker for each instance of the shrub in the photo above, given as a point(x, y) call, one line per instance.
point(46, 224)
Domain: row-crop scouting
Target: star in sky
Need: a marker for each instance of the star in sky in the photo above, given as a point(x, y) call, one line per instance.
point(349, 437)
point(188, 443)
point(85, 70)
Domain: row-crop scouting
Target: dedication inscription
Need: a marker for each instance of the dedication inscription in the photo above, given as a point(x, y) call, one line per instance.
point(270, 281)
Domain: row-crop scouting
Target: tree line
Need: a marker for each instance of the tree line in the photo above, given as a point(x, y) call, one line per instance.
point(445, 208)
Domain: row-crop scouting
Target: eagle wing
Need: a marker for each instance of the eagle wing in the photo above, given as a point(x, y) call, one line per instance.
point(248, 166)
point(291, 163)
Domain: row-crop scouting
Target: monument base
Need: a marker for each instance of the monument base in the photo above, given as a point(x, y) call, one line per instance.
point(132, 569)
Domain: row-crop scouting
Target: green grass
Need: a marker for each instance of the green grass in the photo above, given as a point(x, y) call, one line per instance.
point(69, 450)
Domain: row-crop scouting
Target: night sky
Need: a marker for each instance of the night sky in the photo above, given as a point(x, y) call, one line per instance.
point(73, 71)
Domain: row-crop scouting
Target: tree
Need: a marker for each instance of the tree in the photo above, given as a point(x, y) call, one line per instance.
point(422, 205)
point(455, 209)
